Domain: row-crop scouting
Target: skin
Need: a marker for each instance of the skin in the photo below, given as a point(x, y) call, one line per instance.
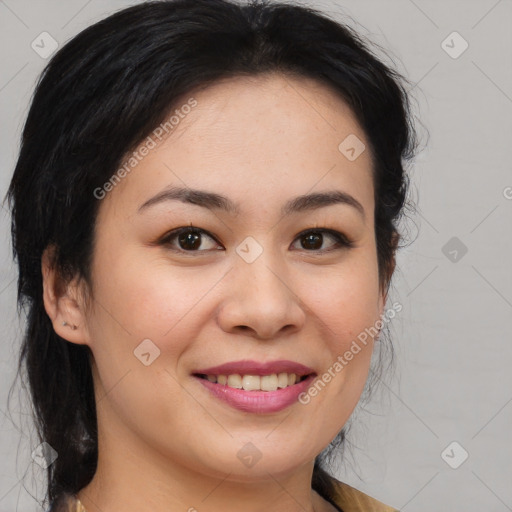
point(164, 442)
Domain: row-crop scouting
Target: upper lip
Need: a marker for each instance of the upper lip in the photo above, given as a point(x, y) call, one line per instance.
point(249, 367)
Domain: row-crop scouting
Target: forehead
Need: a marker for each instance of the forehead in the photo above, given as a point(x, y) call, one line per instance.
point(254, 138)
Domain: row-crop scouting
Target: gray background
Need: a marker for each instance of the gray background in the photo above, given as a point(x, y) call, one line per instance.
point(452, 337)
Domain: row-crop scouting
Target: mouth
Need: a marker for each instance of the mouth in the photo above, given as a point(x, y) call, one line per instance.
point(268, 383)
point(257, 394)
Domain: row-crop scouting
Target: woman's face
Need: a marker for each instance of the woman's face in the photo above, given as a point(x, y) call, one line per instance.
point(248, 287)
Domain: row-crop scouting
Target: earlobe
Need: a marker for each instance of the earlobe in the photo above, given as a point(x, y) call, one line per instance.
point(61, 302)
point(73, 327)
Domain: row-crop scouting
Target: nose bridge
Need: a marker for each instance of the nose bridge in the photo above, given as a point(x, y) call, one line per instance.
point(264, 277)
point(255, 258)
point(266, 282)
point(260, 297)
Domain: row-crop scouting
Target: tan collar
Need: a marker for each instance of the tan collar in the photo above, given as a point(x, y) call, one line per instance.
point(350, 499)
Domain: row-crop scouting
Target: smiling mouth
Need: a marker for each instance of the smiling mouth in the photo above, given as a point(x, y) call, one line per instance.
point(272, 382)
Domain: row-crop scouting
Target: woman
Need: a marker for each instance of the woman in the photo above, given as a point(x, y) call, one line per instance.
point(204, 217)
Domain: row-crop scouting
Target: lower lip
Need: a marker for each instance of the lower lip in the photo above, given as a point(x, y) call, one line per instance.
point(258, 401)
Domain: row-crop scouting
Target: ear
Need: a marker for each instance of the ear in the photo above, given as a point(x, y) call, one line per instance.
point(63, 302)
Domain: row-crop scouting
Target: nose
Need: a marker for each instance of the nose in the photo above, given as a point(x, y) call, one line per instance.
point(260, 301)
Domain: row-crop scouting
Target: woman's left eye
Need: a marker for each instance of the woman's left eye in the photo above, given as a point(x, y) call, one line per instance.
point(314, 239)
point(190, 239)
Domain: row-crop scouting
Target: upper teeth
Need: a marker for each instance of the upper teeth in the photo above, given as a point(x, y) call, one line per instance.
point(255, 382)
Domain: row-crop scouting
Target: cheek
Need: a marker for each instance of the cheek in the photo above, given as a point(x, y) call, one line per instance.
point(345, 299)
point(148, 300)
point(134, 302)
point(344, 304)
point(148, 297)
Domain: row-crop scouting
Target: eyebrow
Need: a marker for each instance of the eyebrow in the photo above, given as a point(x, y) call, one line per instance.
point(213, 201)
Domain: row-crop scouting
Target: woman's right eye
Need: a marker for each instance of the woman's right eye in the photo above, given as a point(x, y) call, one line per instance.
point(188, 239)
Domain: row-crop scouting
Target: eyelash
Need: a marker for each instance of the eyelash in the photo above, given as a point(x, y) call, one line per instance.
point(342, 241)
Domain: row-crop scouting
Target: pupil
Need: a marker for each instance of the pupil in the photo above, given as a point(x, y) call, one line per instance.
point(185, 238)
point(312, 238)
